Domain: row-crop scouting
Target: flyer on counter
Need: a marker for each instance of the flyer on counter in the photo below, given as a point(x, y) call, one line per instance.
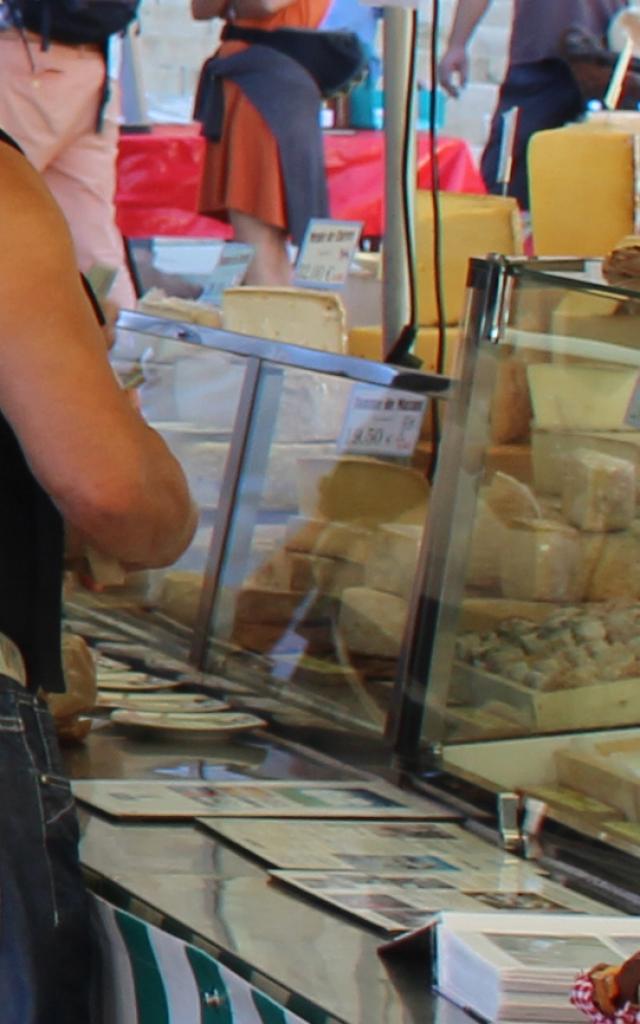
point(151, 799)
point(372, 846)
point(404, 902)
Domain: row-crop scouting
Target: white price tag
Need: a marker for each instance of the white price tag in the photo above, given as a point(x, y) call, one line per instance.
point(381, 422)
point(632, 415)
point(326, 252)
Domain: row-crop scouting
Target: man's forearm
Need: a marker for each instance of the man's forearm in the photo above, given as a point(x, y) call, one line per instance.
point(468, 14)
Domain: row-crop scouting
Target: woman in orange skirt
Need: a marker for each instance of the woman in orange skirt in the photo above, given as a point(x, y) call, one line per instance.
point(243, 178)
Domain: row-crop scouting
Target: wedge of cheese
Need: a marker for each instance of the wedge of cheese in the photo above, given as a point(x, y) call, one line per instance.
point(576, 397)
point(371, 622)
point(487, 543)
point(357, 488)
point(599, 491)
point(299, 316)
point(540, 562)
point(156, 302)
point(615, 566)
point(510, 499)
point(328, 576)
point(392, 561)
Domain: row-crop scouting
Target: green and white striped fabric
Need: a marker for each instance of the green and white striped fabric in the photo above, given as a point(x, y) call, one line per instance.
point(150, 977)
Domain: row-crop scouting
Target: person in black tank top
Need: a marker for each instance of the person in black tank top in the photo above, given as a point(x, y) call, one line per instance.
point(87, 458)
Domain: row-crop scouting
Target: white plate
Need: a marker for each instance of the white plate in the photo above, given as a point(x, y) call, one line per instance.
point(221, 722)
point(163, 703)
point(134, 682)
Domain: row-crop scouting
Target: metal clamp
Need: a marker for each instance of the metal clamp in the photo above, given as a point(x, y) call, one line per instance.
point(535, 811)
point(509, 821)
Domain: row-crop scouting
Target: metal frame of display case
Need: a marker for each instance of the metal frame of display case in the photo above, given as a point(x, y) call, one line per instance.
point(442, 556)
point(265, 361)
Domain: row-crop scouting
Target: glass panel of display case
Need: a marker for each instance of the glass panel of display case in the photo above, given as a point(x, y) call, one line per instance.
point(190, 395)
point(537, 638)
point(321, 555)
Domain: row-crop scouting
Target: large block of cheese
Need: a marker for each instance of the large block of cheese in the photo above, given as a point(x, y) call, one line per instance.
point(392, 562)
point(580, 397)
point(472, 225)
point(366, 342)
point(275, 639)
point(372, 622)
point(179, 596)
point(581, 182)
point(540, 562)
point(487, 543)
point(256, 604)
point(346, 541)
point(594, 317)
point(366, 490)
point(550, 450)
point(329, 576)
point(510, 411)
point(296, 315)
point(270, 570)
point(615, 566)
point(599, 491)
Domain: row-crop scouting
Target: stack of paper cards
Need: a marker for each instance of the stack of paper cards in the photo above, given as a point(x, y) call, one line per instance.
point(521, 967)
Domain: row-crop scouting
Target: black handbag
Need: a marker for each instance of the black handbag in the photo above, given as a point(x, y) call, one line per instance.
point(335, 60)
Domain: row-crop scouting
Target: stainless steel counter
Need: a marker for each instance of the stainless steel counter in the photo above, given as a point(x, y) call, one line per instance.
point(320, 964)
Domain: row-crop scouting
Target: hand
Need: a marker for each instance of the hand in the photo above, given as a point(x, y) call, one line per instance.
point(453, 70)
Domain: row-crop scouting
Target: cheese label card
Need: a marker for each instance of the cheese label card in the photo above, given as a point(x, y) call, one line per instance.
point(326, 252)
point(379, 421)
point(229, 271)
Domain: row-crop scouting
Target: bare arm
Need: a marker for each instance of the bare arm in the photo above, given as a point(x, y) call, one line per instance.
point(454, 67)
point(111, 476)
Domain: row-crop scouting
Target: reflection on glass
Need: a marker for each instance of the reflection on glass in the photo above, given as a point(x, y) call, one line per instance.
point(323, 548)
point(189, 394)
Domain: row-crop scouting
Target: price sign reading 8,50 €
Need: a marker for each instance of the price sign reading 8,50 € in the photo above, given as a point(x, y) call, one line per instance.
point(379, 421)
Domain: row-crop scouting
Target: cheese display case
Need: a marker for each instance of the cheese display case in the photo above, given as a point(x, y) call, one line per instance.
point(311, 471)
point(525, 676)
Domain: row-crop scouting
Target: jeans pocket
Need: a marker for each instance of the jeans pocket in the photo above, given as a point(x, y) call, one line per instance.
point(56, 800)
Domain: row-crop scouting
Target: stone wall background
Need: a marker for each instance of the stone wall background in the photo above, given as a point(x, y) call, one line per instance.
point(171, 48)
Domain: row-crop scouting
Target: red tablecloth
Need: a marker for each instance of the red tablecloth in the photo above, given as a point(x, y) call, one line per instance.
point(159, 172)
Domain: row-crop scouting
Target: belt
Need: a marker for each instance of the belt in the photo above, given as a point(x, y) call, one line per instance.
point(10, 32)
point(11, 661)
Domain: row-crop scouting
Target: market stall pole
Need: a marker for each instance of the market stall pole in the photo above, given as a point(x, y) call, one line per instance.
point(400, 175)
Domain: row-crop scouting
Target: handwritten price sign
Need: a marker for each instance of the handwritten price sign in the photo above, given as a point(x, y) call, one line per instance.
point(381, 422)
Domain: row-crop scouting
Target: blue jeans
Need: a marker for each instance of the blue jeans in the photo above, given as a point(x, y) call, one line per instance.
point(548, 97)
point(45, 944)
